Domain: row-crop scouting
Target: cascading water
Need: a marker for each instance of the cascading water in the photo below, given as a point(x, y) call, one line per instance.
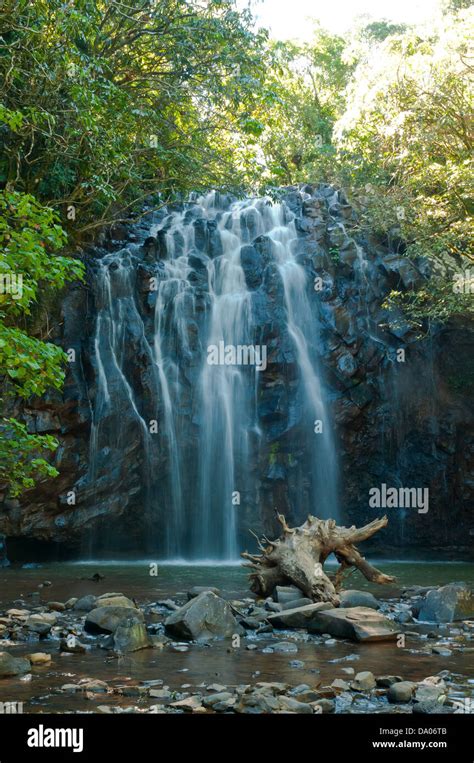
point(233, 300)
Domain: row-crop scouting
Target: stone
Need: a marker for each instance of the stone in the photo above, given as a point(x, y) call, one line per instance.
point(324, 706)
point(296, 604)
point(363, 681)
point(114, 600)
point(285, 647)
point(41, 623)
point(192, 704)
point(56, 606)
point(445, 604)
point(107, 619)
point(216, 699)
point(400, 692)
point(354, 623)
point(85, 603)
point(340, 685)
point(283, 594)
point(39, 658)
point(428, 691)
point(73, 645)
point(130, 637)
point(299, 617)
point(442, 651)
point(385, 682)
point(292, 705)
point(160, 693)
point(351, 598)
point(12, 666)
point(204, 617)
point(429, 708)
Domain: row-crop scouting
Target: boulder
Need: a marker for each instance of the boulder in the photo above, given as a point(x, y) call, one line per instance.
point(363, 681)
point(39, 658)
point(295, 604)
point(130, 637)
point(358, 599)
point(400, 692)
point(115, 600)
point(12, 666)
point(354, 623)
point(198, 589)
point(448, 603)
point(107, 619)
point(205, 617)
point(283, 594)
point(41, 623)
point(299, 617)
point(84, 603)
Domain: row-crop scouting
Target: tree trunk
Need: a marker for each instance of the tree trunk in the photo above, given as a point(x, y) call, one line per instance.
point(297, 558)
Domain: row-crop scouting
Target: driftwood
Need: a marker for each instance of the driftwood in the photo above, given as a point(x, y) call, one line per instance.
point(297, 558)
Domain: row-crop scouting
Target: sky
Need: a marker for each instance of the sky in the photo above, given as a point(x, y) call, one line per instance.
point(287, 19)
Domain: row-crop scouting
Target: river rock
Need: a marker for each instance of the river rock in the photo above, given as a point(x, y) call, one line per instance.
point(12, 666)
point(284, 594)
point(400, 692)
point(41, 623)
point(197, 590)
point(114, 600)
point(355, 623)
point(130, 637)
point(432, 689)
point(295, 604)
point(204, 617)
point(299, 617)
point(363, 681)
point(285, 647)
point(107, 619)
point(450, 602)
point(84, 603)
point(192, 704)
point(292, 705)
point(354, 598)
point(39, 658)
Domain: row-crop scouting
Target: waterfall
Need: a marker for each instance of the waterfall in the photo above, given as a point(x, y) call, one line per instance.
point(232, 301)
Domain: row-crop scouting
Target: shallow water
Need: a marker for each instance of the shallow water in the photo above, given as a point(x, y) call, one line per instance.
point(220, 662)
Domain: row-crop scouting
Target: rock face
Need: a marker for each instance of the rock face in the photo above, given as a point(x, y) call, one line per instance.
point(399, 422)
point(204, 617)
point(355, 623)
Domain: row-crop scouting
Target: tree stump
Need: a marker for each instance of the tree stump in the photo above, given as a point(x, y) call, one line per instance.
point(297, 558)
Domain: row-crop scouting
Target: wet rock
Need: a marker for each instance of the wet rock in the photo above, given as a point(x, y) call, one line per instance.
point(114, 600)
point(12, 666)
point(39, 658)
point(299, 617)
point(56, 606)
point(400, 692)
point(442, 651)
point(324, 706)
point(292, 705)
point(432, 689)
point(285, 647)
point(85, 603)
point(448, 603)
point(296, 604)
point(192, 704)
point(160, 693)
point(355, 623)
point(352, 598)
point(386, 681)
point(340, 685)
point(296, 664)
point(431, 708)
point(363, 681)
point(130, 637)
point(284, 594)
point(72, 645)
point(41, 623)
point(205, 617)
point(219, 701)
point(198, 589)
point(107, 619)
